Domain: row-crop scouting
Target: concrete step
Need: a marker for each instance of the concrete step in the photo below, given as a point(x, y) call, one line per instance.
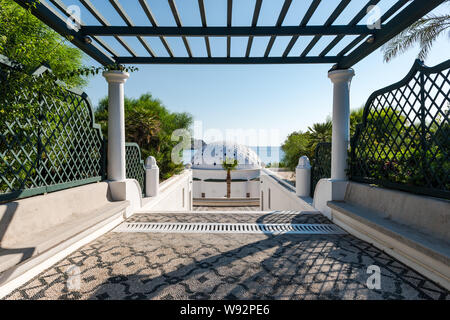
point(223, 202)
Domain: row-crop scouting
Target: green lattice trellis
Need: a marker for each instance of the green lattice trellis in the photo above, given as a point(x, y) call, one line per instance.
point(134, 164)
point(404, 142)
point(56, 147)
point(321, 164)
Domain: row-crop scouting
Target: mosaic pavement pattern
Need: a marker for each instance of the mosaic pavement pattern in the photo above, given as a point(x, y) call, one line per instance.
point(211, 217)
point(227, 266)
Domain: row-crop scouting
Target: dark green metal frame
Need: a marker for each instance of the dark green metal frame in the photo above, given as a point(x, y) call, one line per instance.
point(321, 164)
point(402, 13)
point(411, 142)
point(135, 168)
point(56, 159)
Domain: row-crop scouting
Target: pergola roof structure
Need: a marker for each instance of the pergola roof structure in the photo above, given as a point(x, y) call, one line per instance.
point(90, 38)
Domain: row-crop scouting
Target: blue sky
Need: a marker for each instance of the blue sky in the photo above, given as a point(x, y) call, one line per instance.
point(286, 98)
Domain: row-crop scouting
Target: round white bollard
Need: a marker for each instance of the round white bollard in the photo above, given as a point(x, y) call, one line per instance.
point(303, 177)
point(151, 177)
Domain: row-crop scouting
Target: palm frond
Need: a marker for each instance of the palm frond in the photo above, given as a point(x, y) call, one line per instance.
point(229, 164)
point(423, 32)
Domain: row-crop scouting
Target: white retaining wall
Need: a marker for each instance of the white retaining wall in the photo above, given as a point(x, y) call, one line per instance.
point(175, 194)
point(275, 194)
point(218, 189)
point(239, 189)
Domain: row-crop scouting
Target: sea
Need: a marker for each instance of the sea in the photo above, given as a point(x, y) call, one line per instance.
point(267, 154)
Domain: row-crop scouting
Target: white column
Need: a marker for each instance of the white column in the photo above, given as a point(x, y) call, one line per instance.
point(151, 177)
point(116, 124)
point(341, 122)
point(303, 177)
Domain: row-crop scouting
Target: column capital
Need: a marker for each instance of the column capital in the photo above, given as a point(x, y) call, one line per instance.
point(116, 76)
point(341, 75)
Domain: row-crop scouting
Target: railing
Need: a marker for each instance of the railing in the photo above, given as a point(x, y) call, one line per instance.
point(321, 164)
point(403, 142)
point(135, 168)
point(56, 146)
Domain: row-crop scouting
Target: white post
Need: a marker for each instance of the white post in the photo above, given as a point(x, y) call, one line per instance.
point(303, 177)
point(151, 177)
point(341, 122)
point(116, 124)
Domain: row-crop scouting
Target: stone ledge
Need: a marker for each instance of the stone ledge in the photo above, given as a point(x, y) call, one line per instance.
point(423, 213)
point(416, 249)
point(61, 236)
point(412, 237)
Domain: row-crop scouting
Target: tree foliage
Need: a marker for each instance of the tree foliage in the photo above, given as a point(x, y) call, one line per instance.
point(26, 40)
point(150, 125)
point(423, 32)
point(392, 148)
point(295, 146)
point(37, 65)
point(29, 44)
point(301, 143)
point(319, 132)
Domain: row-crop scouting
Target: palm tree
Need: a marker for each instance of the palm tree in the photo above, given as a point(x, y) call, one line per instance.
point(141, 126)
point(319, 132)
point(229, 164)
point(424, 32)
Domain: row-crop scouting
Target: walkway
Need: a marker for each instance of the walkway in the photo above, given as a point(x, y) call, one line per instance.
point(228, 266)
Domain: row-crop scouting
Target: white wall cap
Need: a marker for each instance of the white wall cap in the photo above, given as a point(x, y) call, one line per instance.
point(303, 163)
point(150, 162)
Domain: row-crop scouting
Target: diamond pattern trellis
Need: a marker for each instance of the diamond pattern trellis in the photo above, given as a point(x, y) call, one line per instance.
point(404, 142)
point(55, 148)
point(134, 164)
point(321, 164)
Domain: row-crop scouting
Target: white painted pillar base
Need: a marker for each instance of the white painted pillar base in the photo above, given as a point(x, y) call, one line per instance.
point(116, 124)
point(151, 177)
point(341, 122)
point(328, 190)
point(130, 190)
point(303, 177)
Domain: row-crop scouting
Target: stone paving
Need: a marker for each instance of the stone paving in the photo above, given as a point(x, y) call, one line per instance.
point(227, 266)
point(276, 217)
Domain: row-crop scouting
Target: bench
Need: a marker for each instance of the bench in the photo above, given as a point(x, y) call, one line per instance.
point(413, 228)
point(36, 228)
